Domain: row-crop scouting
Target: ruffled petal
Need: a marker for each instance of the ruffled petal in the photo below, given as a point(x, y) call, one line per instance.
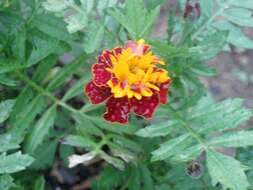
point(146, 106)
point(138, 49)
point(97, 94)
point(100, 75)
point(163, 93)
point(117, 110)
point(105, 57)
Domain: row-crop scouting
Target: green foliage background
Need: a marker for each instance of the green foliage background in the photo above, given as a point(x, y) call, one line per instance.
point(43, 111)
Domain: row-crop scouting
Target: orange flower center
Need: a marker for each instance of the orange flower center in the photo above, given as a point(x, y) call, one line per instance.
point(136, 74)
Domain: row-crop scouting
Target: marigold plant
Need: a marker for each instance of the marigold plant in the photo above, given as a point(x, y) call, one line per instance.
point(126, 95)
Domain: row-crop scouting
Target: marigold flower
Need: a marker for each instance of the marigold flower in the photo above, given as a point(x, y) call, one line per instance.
point(129, 80)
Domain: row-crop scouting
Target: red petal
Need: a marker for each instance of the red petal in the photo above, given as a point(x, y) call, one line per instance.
point(117, 110)
point(138, 49)
point(97, 94)
point(105, 58)
point(100, 74)
point(163, 93)
point(146, 106)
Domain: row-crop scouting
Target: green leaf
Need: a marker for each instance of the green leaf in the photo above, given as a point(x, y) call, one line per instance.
point(136, 18)
point(226, 170)
point(52, 26)
point(210, 117)
point(41, 129)
point(236, 37)
point(159, 129)
point(7, 80)
point(204, 119)
point(8, 66)
point(77, 20)
point(20, 45)
point(39, 184)
point(14, 162)
point(233, 139)
point(5, 109)
point(151, 4)
point(113, 161)
point(44, 155)
point(105, 4)
point(93, 37)
point(66, 73)
point(203, 70)
point(79, 141)
point(171, 147)
point(77, 88)
point(146, 176)
point(43, 47)
point(9, 141)
point(6, 182)
point(239, 16)
point(211, 44)
point(21, 120)
point(232, 12)
point(56, 5)
point(248, 4)
point(206, 8)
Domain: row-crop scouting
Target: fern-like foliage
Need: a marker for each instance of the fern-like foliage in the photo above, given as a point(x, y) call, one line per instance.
point(46, 52)
point(197, 126)
point(227, 16)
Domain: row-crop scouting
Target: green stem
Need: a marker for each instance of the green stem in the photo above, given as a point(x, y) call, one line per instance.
point(44, 92)
point(189, 128)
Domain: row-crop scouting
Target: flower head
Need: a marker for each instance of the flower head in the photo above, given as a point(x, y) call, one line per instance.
point(129, 80)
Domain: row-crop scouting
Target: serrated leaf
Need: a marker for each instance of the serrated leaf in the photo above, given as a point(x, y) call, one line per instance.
point(171, 147)
point(74, 15)
point(204, 118)
point(41, 129)
point(105, 4)
point(227, 171)
point(7, 80)
point(77, 88)
point(93, 37)
point(56, 5)
point(22, 119)
point(14, 162)
point(66, 73)
point(52, 26)
point(79, 141)
point(231, 11)
point(44, 155)
point(136, 18)
point(9, 66)
point(6, 182)
point(5, 109)
point(159, 129)
point(233, 139)
point(9, 141)
point(76, 22)
point(113, 161)
point(248, 4)
point(239, 16)
point(43, 47)
point(212, 44)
